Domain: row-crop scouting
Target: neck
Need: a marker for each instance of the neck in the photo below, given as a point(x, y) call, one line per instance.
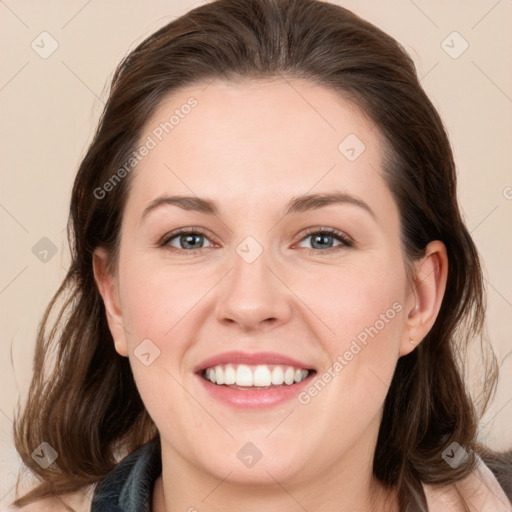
point(345, 487)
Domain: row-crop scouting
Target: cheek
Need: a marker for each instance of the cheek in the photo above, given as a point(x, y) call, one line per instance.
point(162, 310)
point(362, 316)
point(357, 303)
point(156, 299)
point(158, 307)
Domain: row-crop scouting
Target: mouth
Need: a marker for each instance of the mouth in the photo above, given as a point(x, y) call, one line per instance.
point(255, 377)
point(253, 380)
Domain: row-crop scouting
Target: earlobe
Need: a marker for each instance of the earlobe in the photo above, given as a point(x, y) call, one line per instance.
point(108, 290)
point(428, 287)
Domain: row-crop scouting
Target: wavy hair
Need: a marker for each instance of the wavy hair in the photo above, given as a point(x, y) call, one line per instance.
point(83, 400)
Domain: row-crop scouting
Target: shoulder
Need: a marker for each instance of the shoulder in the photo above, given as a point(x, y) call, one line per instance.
point(480, 489)
point(127, 486)
point(79, 501)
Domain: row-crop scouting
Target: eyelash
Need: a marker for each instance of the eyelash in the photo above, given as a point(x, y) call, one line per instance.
point(345, 240)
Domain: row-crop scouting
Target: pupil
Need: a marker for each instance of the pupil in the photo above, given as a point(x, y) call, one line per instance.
point(322, 240)
point(187, 240)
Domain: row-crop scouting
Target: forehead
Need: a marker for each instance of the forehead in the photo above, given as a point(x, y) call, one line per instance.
point(255, 143)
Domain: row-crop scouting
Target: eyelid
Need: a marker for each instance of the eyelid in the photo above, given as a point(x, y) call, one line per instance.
point(183, 231)
point(347, 240)
point(331, 231)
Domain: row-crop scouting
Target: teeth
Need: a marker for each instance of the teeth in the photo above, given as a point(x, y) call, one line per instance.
point(259, 376)
point(210, 375)
point(289, 375)
point(243, 375)
point(219, 375)
point(277, 376)
point(229, 375)
point(262, 376)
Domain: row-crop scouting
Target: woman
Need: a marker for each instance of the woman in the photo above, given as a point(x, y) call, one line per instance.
point(271, 285)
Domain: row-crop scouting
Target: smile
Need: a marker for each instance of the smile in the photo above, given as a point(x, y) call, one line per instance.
point(260, 376)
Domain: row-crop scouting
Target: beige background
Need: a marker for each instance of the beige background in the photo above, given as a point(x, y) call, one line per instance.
point(49, 108)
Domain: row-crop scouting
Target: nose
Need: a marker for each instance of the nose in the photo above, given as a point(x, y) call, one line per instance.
point(254, 296)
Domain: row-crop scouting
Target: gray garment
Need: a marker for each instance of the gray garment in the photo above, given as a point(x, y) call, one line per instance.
point(129, 486)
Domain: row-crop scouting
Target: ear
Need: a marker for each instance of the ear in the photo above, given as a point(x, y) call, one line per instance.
point(108, 288)
point(426, 295)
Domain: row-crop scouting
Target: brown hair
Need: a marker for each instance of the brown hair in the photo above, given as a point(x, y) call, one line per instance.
point(83, 400)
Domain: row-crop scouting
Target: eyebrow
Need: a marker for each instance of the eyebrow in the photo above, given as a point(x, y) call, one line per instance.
point(298, 204)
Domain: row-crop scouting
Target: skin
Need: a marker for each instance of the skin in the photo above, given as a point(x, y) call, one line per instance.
point(252, 146)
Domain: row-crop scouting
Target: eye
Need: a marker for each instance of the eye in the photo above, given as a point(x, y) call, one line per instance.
point(186, 240)
point(193, 239)
point(323, 239)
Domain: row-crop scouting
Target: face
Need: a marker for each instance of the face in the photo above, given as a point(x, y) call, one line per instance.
point(249, 282)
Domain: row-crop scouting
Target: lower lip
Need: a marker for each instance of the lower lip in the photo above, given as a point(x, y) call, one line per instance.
point(255, 398)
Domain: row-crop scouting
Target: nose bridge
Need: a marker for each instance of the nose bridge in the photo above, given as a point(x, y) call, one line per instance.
point(253, 294)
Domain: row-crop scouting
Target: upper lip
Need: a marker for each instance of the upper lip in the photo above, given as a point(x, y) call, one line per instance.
point(248, 358)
